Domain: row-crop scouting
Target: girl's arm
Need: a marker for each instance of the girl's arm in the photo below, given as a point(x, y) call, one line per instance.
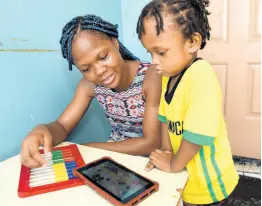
point(168, 162)
point(185, 154)
point(165, 144)
point(165, 140)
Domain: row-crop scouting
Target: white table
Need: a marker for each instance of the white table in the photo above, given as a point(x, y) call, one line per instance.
point(83, 195)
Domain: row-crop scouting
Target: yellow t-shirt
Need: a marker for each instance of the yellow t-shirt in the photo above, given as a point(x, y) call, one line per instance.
point(193, 112)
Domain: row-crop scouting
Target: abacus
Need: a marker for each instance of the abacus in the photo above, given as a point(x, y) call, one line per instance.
point(56, 175)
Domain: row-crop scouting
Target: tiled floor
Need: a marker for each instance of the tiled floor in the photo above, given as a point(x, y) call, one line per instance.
point(255, 175)
point(248, 167)
point(248, 191)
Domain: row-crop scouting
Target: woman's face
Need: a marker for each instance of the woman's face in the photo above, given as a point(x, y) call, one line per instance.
point(98, 58)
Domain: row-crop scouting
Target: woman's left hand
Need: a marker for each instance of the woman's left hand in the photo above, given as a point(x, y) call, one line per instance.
point(161, 159)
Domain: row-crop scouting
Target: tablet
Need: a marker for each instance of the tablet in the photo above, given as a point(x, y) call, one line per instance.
point(116, 183)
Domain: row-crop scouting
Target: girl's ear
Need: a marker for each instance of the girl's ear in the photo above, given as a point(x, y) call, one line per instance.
point(194, 43)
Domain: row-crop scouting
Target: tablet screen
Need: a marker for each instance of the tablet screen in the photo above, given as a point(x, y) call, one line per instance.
point(116, 180)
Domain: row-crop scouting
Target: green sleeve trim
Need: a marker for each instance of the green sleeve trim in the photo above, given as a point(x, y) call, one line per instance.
point(198, 138)
point(162, 118)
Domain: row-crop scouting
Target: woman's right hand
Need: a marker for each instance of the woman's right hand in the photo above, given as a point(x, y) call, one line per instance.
point(57, 131)
point(30, 155)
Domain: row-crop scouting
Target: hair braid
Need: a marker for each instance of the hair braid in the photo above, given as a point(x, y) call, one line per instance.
point(89, 22)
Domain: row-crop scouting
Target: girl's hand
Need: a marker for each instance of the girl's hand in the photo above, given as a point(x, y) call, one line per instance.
point(161, 160)
point(149, 166)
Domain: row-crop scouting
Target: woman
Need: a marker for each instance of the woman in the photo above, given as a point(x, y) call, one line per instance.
point(128, 90)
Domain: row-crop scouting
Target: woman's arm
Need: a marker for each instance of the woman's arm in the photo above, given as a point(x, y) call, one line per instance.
point(53, 133)
point(73, 113)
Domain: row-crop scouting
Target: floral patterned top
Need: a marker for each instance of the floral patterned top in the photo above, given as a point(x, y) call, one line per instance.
point(125, 110)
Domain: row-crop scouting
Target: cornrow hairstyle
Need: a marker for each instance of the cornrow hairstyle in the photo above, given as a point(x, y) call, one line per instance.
point(190, 15)
point(93, 23)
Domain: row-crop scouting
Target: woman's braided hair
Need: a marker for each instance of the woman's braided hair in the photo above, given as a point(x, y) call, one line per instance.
point(94, 23)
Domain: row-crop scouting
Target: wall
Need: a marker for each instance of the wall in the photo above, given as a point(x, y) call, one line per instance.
point(36, 84)
point(130, 13)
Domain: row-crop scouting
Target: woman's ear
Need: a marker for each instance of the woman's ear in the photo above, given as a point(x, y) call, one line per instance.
point(194, 43)
point(115, 42)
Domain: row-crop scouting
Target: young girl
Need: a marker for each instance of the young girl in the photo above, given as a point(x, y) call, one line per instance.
point(120, 83)
point(194, 133)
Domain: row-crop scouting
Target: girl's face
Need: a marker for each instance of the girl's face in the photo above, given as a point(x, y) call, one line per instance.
point(98, 58)
point(169, 50)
